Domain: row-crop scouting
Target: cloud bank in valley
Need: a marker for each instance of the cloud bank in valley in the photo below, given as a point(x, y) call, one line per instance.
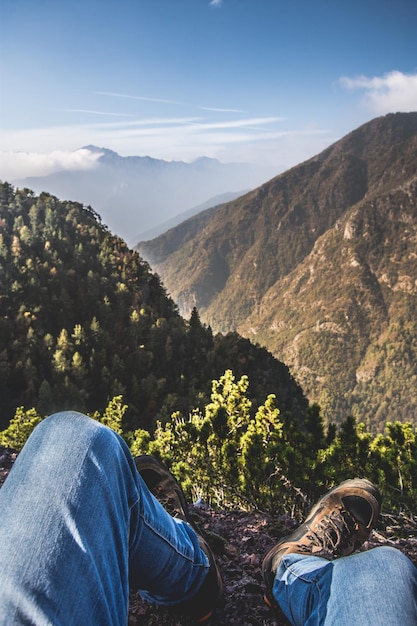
point(13, 164)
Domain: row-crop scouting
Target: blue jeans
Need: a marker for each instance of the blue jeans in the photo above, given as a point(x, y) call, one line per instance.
point(78, 528)
point(377, 587)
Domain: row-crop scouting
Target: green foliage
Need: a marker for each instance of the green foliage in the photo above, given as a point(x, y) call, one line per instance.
point(83, 319)
point(224, 454)
point(230, 458)
point(19, 429)
point(389, 459)
point(24, 422)
point(393, 461)
point(113, 415)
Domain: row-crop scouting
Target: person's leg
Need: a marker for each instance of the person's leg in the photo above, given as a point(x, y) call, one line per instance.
point(336, 526)
point(378, 586)
point(164, 486)
point(382, 589)
point(76, 518)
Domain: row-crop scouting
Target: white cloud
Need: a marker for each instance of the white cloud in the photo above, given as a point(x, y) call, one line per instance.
point(93, 112)
point(22, 164)
point(216, 3)
point(255, 121)
point(217, 110)
point(113, 94)
point(387, 94)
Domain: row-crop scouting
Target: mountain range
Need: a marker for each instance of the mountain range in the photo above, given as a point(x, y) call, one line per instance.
point(135, 194)
point(319, 265)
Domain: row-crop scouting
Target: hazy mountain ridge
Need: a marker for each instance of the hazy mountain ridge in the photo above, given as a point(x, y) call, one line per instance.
point(319, 265)
point(134, 194)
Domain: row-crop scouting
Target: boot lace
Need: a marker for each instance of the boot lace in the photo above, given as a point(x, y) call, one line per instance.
point(332, 535)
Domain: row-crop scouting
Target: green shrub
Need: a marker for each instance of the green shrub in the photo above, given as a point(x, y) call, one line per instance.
point(19, 429)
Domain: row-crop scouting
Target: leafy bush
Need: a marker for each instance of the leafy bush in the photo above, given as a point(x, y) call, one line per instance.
point(230, 457)
point(19, 429)
point(224, 455)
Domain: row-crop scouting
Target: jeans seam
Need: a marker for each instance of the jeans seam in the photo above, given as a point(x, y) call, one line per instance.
point(157, 532)
point(311, 581)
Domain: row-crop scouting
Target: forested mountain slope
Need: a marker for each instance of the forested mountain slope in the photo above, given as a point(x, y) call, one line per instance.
point(319, 265)
point(83, 319)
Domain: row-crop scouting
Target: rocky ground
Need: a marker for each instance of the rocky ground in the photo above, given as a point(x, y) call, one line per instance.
point(239, 540)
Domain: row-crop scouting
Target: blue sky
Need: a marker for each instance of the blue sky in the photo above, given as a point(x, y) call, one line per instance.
point(264, 81)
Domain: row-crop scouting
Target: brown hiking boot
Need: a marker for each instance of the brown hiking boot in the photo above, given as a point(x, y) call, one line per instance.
point(162, 483)
point(337, 525)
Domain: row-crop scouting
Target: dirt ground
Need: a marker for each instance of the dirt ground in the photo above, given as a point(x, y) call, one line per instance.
point(239, 540)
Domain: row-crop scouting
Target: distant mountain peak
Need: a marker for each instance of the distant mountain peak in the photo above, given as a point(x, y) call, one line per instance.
point(112, 156)
point(96, 149)
point(204, 160)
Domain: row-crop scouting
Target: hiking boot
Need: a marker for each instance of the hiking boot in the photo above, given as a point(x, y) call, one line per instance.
point(163, 485)
point(337, 525)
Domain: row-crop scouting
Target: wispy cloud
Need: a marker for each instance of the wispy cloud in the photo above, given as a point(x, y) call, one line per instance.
point(130, 97)
point(257, 140)
point(92, 112)
point(249, 122)
point(387, 94)
point(216, 110)
point(166, 101)
point(97, 132)
point(150, 121)
point(216, 3)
